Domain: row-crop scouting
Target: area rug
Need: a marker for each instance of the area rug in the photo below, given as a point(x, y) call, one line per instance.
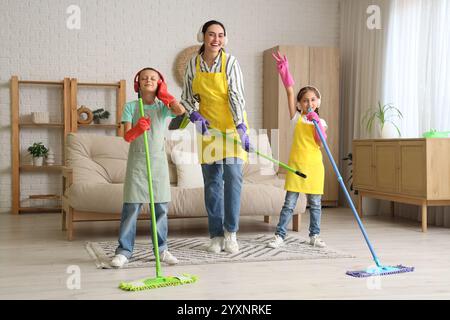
point(193, 251)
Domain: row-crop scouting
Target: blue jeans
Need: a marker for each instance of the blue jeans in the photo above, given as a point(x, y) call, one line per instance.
point(127, 233)
point(290, 201)
point(223, 184)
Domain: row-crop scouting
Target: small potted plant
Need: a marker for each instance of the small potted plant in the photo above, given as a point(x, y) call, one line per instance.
point(385, 116)
point(38, 151)
point(100, 116)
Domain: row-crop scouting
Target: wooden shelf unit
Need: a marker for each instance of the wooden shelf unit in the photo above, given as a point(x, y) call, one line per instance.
point(120, 87)
point(16, 126)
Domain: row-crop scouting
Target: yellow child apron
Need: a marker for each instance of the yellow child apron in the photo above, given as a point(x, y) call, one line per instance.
point(212, 89)
point(306, 157)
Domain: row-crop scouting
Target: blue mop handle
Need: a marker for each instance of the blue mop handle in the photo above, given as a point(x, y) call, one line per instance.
point(347, 195)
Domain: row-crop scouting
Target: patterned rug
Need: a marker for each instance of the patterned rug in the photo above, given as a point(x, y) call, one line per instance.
point(193, 251)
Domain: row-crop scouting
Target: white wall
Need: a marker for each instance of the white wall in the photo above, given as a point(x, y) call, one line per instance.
point(117, 38)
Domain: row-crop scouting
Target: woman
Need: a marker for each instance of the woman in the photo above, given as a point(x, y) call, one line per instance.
point(213, 79)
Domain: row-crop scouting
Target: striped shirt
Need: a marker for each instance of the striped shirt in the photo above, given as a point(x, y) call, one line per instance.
point(235, 85)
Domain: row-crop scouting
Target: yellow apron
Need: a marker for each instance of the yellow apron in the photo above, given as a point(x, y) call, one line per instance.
point(306, 157)
point(212, 89)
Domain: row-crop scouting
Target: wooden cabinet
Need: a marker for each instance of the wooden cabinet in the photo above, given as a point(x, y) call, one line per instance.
point(317, 66)
point(415, 171)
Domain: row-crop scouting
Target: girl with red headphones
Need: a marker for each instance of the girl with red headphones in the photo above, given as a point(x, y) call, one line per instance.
point(159, 105)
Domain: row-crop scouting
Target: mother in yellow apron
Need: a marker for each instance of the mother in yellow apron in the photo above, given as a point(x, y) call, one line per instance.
point(213, 79)
point(305, 156)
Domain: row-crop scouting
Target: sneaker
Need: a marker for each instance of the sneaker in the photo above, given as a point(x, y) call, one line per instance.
point(230, 242)
point(315, 241)
point(118, 261)
point(168, 258)
point(215, 245)
point(276, 242)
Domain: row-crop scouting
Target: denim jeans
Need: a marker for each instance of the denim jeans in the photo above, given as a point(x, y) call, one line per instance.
point(223, 184)
point(290, 201)
point(127, 233)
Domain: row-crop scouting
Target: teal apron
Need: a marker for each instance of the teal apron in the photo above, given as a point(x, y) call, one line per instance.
point(136, 182)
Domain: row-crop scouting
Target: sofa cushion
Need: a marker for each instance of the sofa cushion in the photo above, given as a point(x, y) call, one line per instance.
point(189, 171)
point(96, 158)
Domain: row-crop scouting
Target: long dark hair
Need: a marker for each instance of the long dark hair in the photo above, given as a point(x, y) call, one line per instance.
point(205, 27)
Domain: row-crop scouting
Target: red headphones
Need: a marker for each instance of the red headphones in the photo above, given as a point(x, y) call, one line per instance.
point(136, 78)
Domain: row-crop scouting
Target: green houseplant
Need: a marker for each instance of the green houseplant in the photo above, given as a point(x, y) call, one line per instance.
point(100, 114)
point(384, 115)
point(38, 151)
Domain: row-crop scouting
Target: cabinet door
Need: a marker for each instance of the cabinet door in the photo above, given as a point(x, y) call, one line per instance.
point(412, 179)
point(363, 167)
point(324, 74)
point(386, 166)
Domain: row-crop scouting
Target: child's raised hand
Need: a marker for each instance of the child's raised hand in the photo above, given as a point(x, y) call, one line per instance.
point(283, 69)
point(163, 94)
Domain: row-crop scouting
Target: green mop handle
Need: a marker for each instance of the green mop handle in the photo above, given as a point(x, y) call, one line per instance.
point(150, 191)
point(281, 164)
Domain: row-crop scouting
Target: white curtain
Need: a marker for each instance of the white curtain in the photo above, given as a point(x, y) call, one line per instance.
point(407, 63)
point(417, 70)
point(362, 59)
point(417, 77)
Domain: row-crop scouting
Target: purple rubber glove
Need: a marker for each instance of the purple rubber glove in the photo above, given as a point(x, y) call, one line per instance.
point(201, 124)
point(283, 69)
point(242, 130)
point(314, 116)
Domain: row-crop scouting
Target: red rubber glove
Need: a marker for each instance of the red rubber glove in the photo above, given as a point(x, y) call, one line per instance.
point(314, 116)
point(163, 94)
point(141, 126)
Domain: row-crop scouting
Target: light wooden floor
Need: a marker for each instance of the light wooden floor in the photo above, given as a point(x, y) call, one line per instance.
point(34, 257)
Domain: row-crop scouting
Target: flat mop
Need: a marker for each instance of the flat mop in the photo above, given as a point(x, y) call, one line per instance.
point(160, 281)
point(379, 270)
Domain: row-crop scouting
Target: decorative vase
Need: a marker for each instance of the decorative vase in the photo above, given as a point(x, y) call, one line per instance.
point(105, 121)
point(388, 131)
point(50, 160)
point(38, 161)
point(40, 117)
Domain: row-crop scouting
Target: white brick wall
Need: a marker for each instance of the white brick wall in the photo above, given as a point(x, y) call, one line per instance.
point(117, 38)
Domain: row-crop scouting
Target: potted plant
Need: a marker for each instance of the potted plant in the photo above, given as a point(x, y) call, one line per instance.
point(38, 151)
point(385, 116)
point(100, 115)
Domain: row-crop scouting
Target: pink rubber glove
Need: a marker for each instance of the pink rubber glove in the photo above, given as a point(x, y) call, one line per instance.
point(283, 69)
point(141, 126)
point(314, 116)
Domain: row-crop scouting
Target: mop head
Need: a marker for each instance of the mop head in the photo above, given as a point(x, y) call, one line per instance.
point(159, 282)
point(380, 271)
